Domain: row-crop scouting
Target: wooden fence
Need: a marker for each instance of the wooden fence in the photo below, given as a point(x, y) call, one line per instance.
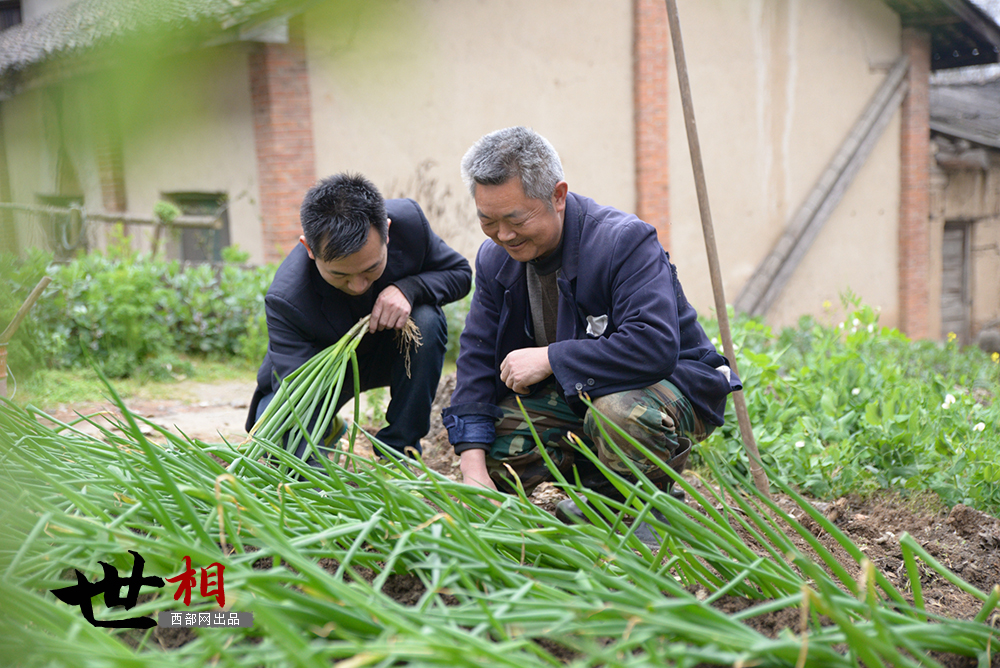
point(78, 220)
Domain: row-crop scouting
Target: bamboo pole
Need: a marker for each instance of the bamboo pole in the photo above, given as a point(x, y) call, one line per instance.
point(8, 333)
point(743, 417)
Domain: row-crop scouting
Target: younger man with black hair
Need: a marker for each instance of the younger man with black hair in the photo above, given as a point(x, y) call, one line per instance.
point(361, 255)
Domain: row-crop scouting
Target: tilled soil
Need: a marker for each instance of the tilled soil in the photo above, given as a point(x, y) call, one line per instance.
point(964, 540)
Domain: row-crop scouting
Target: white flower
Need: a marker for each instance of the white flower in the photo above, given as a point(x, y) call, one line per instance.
point(949, 398)
point(871, 328)
point(800, 444)
point(979, 426)
point(856, 322)
point(715, 341)
point(856, 391)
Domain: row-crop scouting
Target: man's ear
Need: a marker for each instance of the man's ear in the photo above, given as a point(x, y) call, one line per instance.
point(388, 223)
point(559, 196)
point(302, 240)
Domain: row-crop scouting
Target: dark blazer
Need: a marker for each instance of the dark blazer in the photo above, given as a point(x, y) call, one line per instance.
point(306, 315)
point(623, 323)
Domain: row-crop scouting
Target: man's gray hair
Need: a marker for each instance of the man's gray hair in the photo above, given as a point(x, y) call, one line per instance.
point(518, 151)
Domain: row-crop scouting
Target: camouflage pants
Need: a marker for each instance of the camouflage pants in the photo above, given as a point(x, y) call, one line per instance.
point(658, 416)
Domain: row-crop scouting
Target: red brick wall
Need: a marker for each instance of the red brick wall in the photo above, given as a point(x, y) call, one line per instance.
point(286, 165)
point(650, 47)
point(914, 205)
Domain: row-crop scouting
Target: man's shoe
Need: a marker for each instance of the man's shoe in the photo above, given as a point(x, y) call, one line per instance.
point(647, 534)
point(568, 512)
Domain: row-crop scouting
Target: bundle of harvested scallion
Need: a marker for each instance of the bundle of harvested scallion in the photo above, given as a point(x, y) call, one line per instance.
point(313, 391)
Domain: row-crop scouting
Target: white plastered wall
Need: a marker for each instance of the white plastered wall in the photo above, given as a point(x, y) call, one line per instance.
point(189, 126)
point(777, 86)
point(186, 124)
point(31, 143)
point(31, 167)
point(396, 83)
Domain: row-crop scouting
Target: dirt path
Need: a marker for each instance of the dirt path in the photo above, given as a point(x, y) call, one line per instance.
point(209, 412)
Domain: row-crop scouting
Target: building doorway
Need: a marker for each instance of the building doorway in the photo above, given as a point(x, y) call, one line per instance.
point(956, 294)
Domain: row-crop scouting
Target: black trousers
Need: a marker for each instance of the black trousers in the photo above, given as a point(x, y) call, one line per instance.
point(382, 364)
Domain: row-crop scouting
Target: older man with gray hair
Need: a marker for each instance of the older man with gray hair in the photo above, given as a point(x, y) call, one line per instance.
point(573, 298)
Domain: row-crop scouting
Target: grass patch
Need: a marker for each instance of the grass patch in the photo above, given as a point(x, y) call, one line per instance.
point(49, 388)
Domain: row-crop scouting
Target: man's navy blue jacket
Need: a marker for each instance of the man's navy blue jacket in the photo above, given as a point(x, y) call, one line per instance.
point(306, 315)
point(623, 323)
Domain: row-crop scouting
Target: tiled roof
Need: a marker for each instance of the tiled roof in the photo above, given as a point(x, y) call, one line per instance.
point(970, 109)
point(86, 26)
point(965, 102)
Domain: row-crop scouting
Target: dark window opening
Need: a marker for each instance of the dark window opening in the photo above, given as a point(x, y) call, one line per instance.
point(202, 244)
point(10, 13)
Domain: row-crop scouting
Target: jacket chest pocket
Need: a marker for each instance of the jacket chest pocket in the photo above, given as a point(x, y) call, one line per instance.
point(575, 320)
point(567, 322)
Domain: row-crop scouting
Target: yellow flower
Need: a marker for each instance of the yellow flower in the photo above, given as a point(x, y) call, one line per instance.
point(996, 358)
point(827, 305)
point(952, 336)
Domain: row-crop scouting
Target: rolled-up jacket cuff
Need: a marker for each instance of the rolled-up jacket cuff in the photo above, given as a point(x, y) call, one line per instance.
point(735, 383)
point(471, 423)
point(470, 429)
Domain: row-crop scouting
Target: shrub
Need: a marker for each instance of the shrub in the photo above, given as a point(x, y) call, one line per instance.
point(17, 279)
point(857, 406)
point(126, 311)
point(252, 344)
point(117, 312)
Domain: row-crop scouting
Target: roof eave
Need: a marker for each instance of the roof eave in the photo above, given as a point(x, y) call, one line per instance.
point(961, 33)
